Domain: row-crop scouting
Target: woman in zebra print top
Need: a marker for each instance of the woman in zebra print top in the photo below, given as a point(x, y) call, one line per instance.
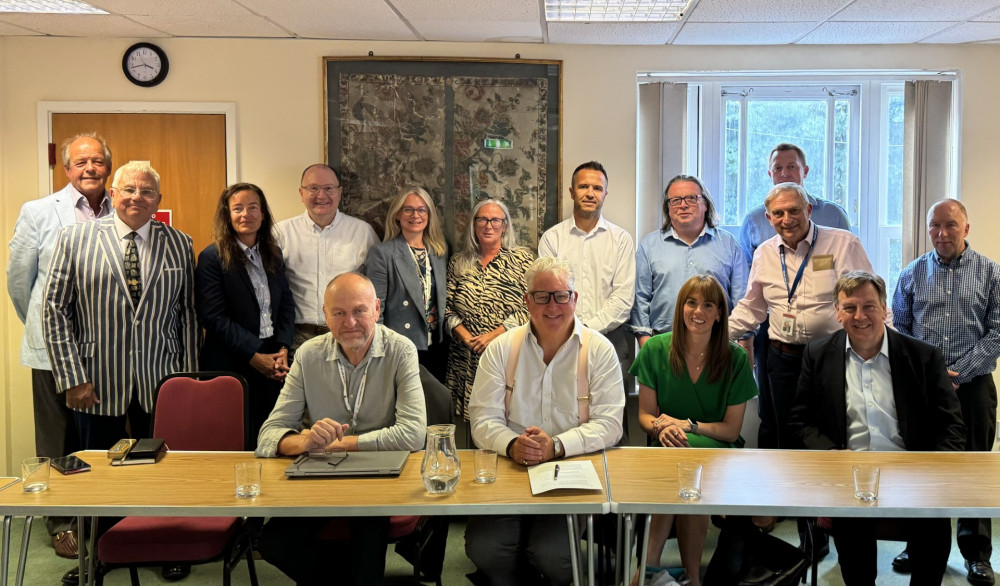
point(485, 294)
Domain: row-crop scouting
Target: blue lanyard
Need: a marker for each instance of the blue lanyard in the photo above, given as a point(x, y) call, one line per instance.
point(802, 267)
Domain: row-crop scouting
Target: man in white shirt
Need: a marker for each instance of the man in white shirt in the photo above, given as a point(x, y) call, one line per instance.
point(550, 412)
point(792, 276)
point(87, 162)
point(318, 245)
point(602, 256)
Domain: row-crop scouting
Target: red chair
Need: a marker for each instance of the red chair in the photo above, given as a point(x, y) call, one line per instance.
point(193, 411)
point(419, 540)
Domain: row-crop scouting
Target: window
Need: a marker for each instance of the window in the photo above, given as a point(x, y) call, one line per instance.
point(849, 124)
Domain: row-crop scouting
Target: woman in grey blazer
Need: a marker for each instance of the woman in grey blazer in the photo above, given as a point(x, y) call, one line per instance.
point(409, 271)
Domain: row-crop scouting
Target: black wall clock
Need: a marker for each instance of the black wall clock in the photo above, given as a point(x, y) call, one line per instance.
point(145, 64)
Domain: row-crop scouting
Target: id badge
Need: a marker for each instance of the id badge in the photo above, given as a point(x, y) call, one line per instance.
point(788, 324)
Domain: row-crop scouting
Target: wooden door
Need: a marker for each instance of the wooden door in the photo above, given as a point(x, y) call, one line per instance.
point(187, 150)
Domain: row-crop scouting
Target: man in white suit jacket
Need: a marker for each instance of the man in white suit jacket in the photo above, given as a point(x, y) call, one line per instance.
point(87, 162)
point(109, 351)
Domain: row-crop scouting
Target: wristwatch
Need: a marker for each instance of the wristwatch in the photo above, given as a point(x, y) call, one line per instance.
point(558, 448)
point(694, 426)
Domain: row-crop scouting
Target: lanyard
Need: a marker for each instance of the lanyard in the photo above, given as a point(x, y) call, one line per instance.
point(357, 400)
point(802, 267)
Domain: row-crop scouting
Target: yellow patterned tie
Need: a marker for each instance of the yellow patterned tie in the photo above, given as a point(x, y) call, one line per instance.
point(132, 276)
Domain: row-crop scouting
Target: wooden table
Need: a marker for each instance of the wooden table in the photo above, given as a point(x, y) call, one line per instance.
point(802, 483)
point(202, 484)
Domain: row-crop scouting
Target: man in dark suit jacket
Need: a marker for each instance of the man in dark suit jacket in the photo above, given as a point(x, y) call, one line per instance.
point(906, 403)
point(119, 311)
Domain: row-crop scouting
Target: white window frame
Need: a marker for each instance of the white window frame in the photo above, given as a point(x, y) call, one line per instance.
point(867, 159)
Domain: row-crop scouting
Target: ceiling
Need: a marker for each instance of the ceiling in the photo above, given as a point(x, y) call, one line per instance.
point(710, 22)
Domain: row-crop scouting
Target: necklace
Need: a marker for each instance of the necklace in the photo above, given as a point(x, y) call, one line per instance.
point(695, 364)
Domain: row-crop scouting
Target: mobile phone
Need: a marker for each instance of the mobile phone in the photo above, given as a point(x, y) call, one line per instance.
point(70, 465)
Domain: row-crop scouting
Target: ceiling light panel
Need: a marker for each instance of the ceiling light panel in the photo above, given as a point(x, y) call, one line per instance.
point(615, 10)
point(49, 7)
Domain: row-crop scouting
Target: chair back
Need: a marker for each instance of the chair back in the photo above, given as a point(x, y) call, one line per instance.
point(202, 411)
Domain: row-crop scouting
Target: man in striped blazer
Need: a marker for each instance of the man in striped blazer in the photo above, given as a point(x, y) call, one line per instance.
point(119, 311)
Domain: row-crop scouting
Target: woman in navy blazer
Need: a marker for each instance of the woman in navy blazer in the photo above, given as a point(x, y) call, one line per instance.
point(237, 277)
point(409, 271)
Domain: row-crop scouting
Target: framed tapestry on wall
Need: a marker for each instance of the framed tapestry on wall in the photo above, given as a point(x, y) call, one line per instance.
point(466, 130)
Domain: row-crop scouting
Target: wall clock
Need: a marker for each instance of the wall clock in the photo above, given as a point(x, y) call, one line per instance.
point(145, 64)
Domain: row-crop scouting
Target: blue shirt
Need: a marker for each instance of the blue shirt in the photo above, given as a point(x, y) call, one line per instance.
point(664, 262)
point(955, 307)
point(872, 422)
point(756, 228)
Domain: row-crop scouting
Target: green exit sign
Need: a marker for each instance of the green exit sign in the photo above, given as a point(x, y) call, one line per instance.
point(497, 143)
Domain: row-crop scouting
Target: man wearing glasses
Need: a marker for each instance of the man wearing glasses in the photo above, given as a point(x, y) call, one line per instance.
point(546, 390)
point(318, 245)
point(689, 244)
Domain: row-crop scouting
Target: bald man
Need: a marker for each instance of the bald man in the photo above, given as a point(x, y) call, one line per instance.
point(950, 298)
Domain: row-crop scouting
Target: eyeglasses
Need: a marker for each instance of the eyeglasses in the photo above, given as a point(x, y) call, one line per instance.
point(543, 297)
point(130, 191)
point(676, 202)
point(326, 189)
point(357, 314)
point(408, 211)
point(495, 222)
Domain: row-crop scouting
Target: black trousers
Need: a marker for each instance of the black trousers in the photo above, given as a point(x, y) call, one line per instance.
point(55, 431)
point(293, 546)
point(783, 369)
point(978, 399)
point(100, 432)
point(767, 433)
point(929, 545)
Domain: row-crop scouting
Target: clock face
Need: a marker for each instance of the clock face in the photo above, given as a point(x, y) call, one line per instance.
point(144, 64)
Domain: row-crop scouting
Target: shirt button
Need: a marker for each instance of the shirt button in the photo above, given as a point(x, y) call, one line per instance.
point(406, 326)
point(869, 403)
point(946, 338)
point(406, 303)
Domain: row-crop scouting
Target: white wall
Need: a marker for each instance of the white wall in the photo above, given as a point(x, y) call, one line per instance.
point(277, 86)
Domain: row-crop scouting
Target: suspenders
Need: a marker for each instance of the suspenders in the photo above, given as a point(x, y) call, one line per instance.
point(582, 384)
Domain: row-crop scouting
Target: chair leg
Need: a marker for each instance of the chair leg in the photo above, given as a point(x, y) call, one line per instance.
point(250, 567)
point(133, 573)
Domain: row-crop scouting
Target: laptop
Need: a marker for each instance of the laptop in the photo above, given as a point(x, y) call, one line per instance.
point(334, 464)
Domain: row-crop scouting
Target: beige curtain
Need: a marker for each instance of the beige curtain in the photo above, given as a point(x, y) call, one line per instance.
point(662, 144)
point(927, 147)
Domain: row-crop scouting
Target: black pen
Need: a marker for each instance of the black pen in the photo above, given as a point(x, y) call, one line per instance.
point(555, 475)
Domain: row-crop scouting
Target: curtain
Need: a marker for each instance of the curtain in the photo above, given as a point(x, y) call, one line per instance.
point(661, 150)
point(927, 148)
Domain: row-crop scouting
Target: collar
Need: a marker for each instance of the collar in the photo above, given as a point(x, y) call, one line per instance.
point(315, 227)
point(246, 249)
point(122, 229)
point(600, 226)
point(375, 350)
point(957, 261)
point(670, 233)
point(577, 333)
point(79, 198)
point(884, 350)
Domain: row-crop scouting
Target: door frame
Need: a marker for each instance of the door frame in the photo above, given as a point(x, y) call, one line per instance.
point(47, 108)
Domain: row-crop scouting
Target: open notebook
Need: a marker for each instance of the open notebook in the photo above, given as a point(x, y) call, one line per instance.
point(348, 464)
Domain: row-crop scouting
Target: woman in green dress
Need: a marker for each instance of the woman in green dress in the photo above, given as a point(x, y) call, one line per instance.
point(693, 388)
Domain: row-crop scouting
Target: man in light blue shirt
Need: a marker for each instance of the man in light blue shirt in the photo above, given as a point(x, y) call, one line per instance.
point(950, 297)
point(688, 244)
point(787, 162)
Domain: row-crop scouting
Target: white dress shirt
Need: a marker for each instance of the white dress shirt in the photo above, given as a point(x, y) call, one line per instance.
point(603, 262)
point(545, 395)
point(872, 423)
point(837, 252)
point(314, 256)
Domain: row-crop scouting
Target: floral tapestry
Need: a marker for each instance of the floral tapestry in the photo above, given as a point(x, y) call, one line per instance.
point(466, 131)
